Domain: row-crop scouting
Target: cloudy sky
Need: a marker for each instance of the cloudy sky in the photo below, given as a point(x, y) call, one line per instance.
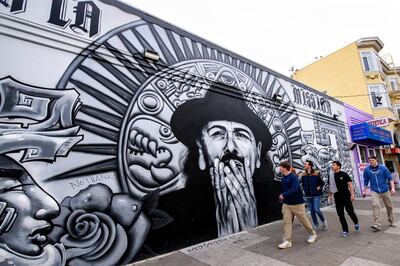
point(285, 33)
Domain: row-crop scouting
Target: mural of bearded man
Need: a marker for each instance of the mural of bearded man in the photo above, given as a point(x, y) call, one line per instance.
point(230, 184)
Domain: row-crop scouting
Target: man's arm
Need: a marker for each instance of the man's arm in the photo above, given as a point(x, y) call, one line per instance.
point(388, 176)
point(351, 189)
point(366, 180)
point(320, 182)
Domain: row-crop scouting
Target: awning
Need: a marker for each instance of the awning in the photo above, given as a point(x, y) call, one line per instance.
point(365, 133)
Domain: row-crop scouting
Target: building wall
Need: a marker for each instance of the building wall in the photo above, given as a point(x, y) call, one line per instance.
point(339, 74)
point(102, 151)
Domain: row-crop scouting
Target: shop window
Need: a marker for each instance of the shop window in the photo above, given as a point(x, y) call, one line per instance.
point(378, 155)
point(371, 152)
point(363, 154)
point(390, 166)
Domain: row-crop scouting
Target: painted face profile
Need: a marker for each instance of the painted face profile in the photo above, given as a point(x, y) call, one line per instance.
point(31, 209)
point(227, 140)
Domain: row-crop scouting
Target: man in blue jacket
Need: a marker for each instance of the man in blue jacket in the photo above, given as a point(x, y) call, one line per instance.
point(378, 176)
point(293, 205)
point(312, 184)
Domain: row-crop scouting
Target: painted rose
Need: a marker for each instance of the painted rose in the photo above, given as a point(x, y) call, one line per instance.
point(98, 227)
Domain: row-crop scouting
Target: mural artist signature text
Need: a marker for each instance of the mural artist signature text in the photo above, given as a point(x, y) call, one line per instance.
point(78, 183)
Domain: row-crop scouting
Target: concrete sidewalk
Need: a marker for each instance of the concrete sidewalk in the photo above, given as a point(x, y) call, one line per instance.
point(258, 246)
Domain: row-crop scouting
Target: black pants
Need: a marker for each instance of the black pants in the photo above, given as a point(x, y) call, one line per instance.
point(343, 202)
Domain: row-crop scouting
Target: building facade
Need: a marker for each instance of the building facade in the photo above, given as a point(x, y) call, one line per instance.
point(360, 77)
point(121, 135)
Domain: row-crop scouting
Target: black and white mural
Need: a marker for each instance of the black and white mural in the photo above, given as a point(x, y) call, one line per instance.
point(121, 158)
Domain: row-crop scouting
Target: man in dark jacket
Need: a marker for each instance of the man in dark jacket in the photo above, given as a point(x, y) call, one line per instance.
point(341, 187)
point(312, 184)
point(378, 177)
point(293, 205)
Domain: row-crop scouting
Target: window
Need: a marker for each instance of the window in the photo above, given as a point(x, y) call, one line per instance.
point(393, 83)
point(369, 59)
point(371, 152)
point(379, 96)
point(390, 166)
point(379, 156)
point(363, 154)
point(397, 107)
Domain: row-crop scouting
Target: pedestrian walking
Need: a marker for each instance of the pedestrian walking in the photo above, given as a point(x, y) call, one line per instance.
point(378, 176)
point(341, 188)
point(293, 205)
point(312, 184)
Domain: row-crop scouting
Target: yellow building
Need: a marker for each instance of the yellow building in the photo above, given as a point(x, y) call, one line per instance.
point(357, 75)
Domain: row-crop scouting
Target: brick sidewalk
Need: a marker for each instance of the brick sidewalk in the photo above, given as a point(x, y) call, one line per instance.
point(258, 246)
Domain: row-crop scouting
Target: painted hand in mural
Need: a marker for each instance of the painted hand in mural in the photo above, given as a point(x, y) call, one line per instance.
point(240, 186)
point(234, 196)
point(226, 214)
point(98, 227)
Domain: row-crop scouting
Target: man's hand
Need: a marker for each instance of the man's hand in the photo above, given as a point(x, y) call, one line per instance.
point(240, 187)
point(318, 188)
point(393, 191)
point(281, 197)
point(365, 191)
point(352, 197)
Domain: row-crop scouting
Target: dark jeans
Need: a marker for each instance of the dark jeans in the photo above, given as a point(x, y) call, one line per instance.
point(313, 206)
point(343, 202)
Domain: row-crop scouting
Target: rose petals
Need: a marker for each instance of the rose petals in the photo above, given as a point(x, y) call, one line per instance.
point(92, 198)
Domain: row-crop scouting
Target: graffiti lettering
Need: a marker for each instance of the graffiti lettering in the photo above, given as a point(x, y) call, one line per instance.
point(213, 243)
point(86, 20)
point(57, 14)
point(16, 6)
point(89, 180)
point(311, 100)
point(87, 11)
point(76, 184)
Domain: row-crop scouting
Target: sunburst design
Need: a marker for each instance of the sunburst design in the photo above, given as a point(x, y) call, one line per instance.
point(111, 74)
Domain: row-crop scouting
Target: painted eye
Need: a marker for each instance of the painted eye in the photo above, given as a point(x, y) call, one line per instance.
point(219, 134)
point(165, 132)
point(166, 135)
point(240, 135)
point(228, 79)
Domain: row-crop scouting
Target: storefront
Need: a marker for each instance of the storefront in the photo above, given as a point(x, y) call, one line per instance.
point(368, 140)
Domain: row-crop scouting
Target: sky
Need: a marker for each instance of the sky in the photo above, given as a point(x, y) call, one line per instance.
point(286, 33)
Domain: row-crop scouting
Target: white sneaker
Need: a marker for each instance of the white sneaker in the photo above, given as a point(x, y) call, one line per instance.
point(311, 238)
point(285, 244)
point(325, 225)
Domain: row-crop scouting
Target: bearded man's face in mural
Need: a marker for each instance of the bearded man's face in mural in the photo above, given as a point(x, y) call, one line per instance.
point(226, 141)
point(229, 140)
point(33, 208)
